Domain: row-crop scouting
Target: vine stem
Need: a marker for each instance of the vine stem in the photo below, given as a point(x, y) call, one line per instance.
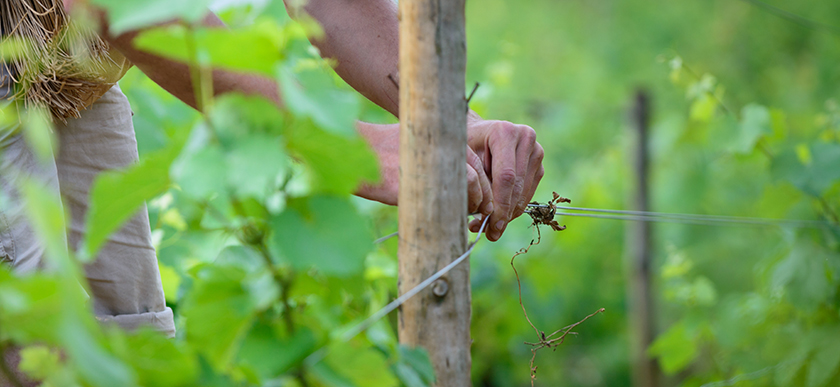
point(519, 282)
point(543, 341)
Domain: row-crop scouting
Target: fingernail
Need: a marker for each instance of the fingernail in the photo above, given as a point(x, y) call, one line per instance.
point(489, 208)
point(500, 225)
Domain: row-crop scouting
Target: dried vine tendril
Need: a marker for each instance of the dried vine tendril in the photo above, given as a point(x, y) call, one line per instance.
point(543, 214)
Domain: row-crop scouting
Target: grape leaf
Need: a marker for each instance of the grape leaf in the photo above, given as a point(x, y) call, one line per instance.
point(325, 232)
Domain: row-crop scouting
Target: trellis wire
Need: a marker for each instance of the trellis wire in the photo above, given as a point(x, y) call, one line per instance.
point(362, 326)
point(709, 220)
point(320, 354)
point(792, 17)
point(645, 216)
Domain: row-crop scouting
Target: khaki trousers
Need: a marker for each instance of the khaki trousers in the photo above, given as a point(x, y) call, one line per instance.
point(124, 279)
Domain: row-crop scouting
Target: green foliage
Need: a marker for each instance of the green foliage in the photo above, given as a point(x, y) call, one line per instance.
point(263, 254)
point(337, 165)
point(317, 232)
point(256, 48)
point(676, 348)
point(267, 261)
point(129, 15)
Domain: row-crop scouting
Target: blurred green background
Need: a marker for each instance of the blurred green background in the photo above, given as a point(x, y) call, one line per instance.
point(745, 122)
point(730, 300)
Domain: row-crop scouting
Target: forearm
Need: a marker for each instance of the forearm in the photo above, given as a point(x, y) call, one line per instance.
point(363, 37)
point(175, 77)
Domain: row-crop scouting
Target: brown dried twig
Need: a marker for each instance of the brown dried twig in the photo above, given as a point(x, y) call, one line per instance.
point(544, 214)
point(548, 342)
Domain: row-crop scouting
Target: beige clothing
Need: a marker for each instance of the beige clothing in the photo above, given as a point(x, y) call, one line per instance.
point(124, 279)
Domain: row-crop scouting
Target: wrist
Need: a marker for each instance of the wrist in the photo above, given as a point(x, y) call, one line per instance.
point(473, 117)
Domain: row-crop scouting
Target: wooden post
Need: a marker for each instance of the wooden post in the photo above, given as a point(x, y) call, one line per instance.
point(433, 186)
point(645, 369)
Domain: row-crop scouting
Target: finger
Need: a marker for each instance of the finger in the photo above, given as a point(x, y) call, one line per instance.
point(502, 149)
point(474, 193)
point(525, 150)
point(536, 173)
point(510, 171)
point(486, 205)
point(475, 224)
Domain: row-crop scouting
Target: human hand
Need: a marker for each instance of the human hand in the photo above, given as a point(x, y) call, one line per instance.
point(512, 159)
point(385, 141)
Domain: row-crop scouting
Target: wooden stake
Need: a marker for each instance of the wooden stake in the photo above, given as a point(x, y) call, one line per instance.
point(433, 186)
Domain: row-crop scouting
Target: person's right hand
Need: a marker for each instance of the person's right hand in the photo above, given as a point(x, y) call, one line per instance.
point(385, 141)
point(512, 159)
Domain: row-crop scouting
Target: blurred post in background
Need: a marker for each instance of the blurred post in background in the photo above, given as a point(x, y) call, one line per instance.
point(645, 370)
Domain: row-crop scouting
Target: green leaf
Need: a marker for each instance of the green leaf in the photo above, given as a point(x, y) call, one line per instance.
point(755, 123)
point(703, 108)
point(235, 116)
point(788, 371)
point(92, 361)
point(675, 348)
point(126, 15)
point(826, 359)
point(703, 291)
point(419, 361)
point(337, 164)
point(802, 275)
point(269, 355)
point(45, 212)
point(361, 366)
point(257, 48)
point(254, 164)
point(159, 361)
point(324, 232)
point(814, 172)
point(40, 361)
point(408, 375)
point(310, 91)
point(39, 133)
point(329, 377)
point(117, 195)
point(202, 173)
point(219, 311)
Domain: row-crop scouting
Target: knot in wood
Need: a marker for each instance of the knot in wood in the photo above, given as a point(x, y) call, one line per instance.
point(440, 287)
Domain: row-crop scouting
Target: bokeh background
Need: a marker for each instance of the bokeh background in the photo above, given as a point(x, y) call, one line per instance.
point(745, 121)
point(737, 88)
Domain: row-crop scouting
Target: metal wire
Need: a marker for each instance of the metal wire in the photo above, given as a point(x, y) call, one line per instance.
point(696, 219)
point(321, 353)
point(362, 326)
point(792, 17)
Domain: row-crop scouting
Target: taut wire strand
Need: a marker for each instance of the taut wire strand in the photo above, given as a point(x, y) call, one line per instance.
point(362, 326)
point(321, 353)
point(709, 220)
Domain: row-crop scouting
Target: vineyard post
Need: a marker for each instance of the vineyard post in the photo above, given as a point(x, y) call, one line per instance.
point(638, 236)
point(433, 186)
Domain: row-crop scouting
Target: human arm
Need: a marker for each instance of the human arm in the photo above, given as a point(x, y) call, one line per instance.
point(176, 78)
point(363, 37)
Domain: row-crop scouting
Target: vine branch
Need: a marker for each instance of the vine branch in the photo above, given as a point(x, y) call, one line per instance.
point(544, 214)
